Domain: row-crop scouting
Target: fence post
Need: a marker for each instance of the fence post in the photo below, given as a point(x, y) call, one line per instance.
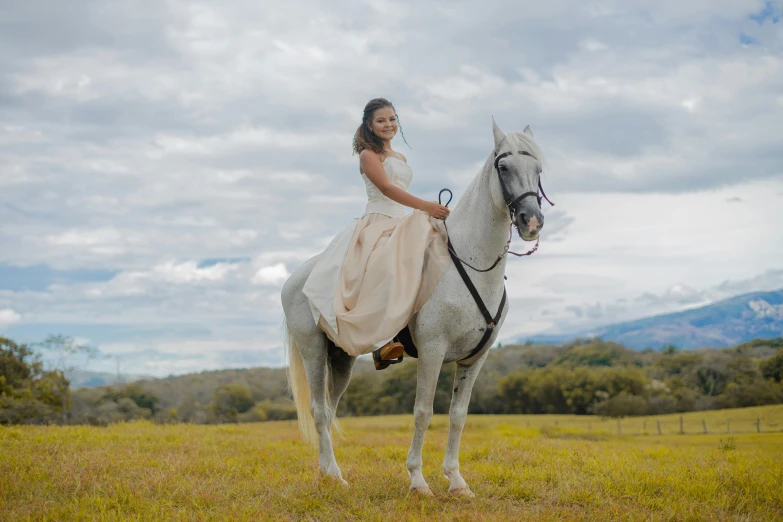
point(619, 429)
point(659, 426)
point(682, 431)
point(704, 425)
point(555, 422)
point(758, 425)
point(728, 425)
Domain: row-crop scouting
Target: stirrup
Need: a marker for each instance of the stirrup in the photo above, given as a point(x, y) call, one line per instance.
point(391, 348)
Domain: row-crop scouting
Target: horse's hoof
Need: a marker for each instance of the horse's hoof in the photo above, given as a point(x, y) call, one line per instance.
point(337, 480)
point(462, 492)
point(425, 491)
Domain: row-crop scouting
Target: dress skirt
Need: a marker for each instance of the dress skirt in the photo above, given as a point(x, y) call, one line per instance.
point(374, 276)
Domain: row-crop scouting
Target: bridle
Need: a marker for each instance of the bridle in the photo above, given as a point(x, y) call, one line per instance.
point(490, 320)
point(511, 203)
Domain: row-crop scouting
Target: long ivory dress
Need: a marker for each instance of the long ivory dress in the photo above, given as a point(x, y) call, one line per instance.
point(379, 271)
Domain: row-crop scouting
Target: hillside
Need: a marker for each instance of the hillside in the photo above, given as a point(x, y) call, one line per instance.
point(733, 321)
point(88, 379)
point(582, 377)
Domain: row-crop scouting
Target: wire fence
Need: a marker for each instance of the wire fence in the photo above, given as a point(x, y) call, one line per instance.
point(667, 425)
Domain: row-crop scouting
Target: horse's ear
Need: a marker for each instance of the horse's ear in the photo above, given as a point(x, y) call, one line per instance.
point(497, 133)
point(528, 131)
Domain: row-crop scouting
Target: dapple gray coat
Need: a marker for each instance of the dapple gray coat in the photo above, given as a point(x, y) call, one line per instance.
point(446, 329)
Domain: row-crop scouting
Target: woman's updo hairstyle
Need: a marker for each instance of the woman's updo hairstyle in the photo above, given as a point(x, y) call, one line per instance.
point(364, 137)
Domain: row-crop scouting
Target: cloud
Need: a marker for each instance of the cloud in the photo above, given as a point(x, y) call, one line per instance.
point(162, 358)
point(594, 312)
point(8, 317)
point(557, 224)
point(592, 45)
point(563, 283)
point(188, 272)
point(139, 141)
point(676, 295)
point(768, 280)
point(271, 275)
point(576, 318)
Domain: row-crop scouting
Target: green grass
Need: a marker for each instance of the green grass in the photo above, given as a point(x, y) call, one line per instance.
point(520, 467)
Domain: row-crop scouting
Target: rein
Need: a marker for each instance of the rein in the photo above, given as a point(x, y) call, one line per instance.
point(491, 322)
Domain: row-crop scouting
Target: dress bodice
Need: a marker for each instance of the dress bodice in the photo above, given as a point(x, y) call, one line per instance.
point(400, 175)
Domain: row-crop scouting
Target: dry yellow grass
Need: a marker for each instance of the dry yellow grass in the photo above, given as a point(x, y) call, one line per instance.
point(569, 471)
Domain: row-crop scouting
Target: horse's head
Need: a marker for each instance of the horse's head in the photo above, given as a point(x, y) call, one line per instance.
point(518, 165)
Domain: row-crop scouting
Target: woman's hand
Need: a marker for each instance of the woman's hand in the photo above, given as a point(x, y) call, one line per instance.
point(436, 210)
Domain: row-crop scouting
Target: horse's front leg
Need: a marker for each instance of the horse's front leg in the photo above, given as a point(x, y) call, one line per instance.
point(458, 412)
point(430, 363)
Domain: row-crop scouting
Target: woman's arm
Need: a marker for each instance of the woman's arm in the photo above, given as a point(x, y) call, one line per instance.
point(372, 167)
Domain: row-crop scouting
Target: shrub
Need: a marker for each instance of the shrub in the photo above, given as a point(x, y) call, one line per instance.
point(275, 412)
point(772, 368)
point(622, 405)
point(660, 405)
point(229, 401)
point(758, 393)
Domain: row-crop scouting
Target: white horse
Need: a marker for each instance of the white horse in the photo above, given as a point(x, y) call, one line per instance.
point(447, 328)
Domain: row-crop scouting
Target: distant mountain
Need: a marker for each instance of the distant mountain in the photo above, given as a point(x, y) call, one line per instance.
point(86, 379)
point(726, 323)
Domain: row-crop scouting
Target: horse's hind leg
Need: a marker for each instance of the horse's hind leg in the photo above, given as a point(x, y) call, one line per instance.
point(458, 413)
point(340, 367)
point(308, 346)
point(323, 415)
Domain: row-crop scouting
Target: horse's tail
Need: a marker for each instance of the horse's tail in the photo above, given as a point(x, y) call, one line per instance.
point(300, 388)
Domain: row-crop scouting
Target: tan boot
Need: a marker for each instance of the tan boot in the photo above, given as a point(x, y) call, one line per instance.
point(389, 353)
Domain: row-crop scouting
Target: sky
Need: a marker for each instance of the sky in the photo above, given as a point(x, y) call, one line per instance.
point(166, 165)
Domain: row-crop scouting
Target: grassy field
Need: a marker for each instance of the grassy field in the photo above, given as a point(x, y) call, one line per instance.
point(520, 467)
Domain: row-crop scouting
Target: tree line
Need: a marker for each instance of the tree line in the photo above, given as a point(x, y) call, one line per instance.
point(584, 377)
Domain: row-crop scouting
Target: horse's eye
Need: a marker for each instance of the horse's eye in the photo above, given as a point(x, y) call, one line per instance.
point(502, 168)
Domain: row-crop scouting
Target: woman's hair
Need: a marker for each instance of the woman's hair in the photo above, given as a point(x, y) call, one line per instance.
point(364, 137)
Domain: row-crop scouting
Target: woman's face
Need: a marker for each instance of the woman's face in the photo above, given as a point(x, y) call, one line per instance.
point(384, 123)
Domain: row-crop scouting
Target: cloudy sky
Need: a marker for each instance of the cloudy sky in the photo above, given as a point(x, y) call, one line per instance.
point(165, 165)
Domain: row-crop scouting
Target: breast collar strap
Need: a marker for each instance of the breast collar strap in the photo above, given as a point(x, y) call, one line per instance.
point(491, 321)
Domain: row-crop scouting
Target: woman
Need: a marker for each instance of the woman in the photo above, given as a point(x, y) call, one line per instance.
point(382, 268)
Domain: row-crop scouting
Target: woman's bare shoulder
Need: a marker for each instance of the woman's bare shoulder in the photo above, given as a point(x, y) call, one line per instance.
point(370, 155)
point(369, 159)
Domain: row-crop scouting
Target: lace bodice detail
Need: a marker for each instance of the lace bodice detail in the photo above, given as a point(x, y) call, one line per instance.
point(401, 175)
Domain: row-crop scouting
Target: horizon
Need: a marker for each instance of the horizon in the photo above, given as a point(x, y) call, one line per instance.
point(129, 378)
point(166, 169)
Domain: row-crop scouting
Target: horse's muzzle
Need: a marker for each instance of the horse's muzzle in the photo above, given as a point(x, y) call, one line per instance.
point(529, 227)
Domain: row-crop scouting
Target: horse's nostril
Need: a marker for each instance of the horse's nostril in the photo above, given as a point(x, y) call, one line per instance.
point(534, 223)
